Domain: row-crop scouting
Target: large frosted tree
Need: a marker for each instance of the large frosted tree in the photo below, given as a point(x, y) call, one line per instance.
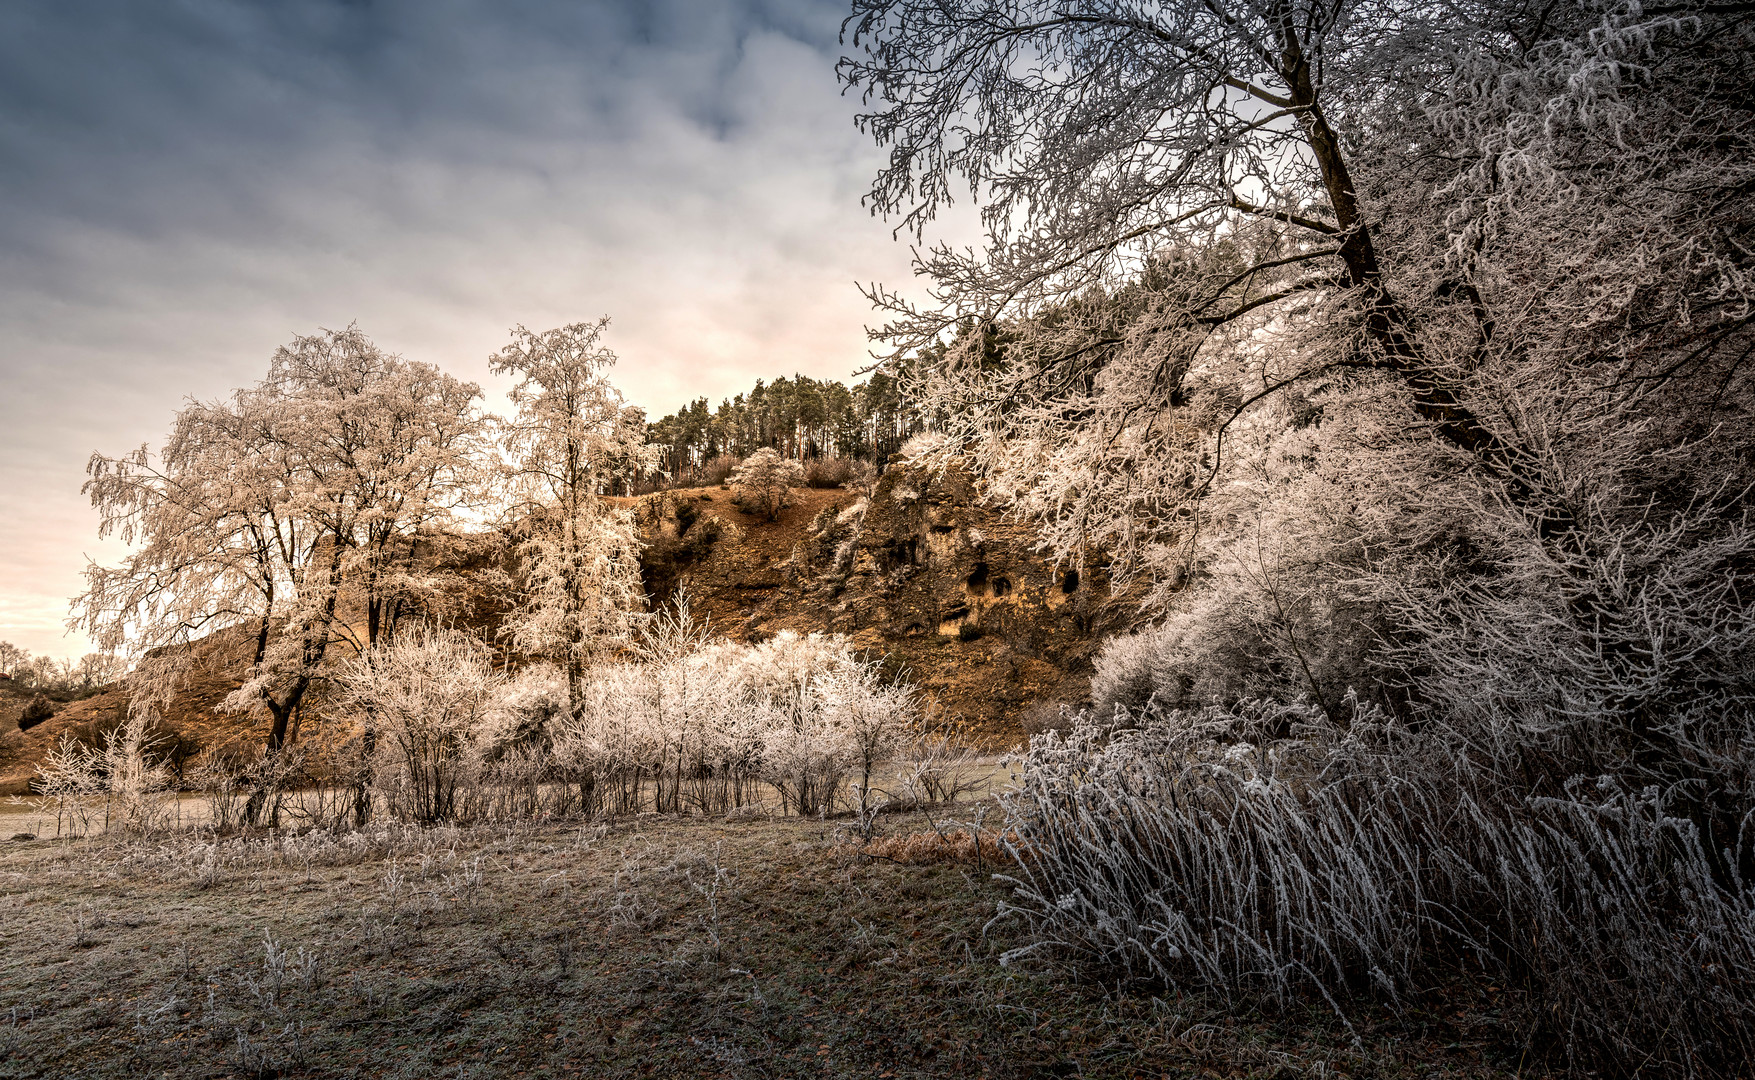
point(1405, 348)
point(1199, 213)
point(571, 441)
point(1400, 346)
point(261, 509)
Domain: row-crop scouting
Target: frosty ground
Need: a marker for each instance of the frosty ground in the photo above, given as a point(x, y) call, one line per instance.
point(660, 945)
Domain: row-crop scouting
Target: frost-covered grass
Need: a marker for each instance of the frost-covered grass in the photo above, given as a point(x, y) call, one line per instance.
point(1264, 855)
point(663, 945)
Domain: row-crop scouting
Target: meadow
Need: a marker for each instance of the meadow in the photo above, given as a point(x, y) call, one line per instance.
point(656, 945)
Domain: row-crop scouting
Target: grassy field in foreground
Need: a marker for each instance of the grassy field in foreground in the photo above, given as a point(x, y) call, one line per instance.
point(649, 947)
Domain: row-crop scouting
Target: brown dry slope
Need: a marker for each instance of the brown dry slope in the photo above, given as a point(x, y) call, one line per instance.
point(947, 588)
point(189, 723)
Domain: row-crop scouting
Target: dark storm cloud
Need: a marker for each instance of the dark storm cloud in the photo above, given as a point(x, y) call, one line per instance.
point(187, 184)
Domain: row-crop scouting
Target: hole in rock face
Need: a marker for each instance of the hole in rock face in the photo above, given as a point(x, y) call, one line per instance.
point(1001, 586)
point(1069, 583)
point(978, 580)
point(901, 553)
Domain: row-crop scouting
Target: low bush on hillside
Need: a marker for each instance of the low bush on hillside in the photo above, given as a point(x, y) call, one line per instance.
point(761, 482)
point(828, 472)
point(715, 472)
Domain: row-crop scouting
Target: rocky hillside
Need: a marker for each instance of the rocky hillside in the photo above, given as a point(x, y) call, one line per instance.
point(918, 572)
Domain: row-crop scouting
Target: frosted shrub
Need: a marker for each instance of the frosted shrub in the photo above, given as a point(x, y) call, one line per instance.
point(699, 725)
point(824, 714)
point(670, 733)
point(425, 700)
point(872, 720)
point(828, 472)
point(761, 482)
point(1133, 670)
point(116, 779)
point(234, 773)
point(938, 766)
point(686, 724)
point(670, 723)
point(1272, 616)
point(1622, 648)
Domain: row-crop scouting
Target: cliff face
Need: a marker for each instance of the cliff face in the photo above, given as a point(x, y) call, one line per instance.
point(921, 571)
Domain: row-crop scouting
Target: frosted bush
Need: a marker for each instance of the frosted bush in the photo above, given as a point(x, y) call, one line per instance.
point(699, 725)
point(232, 774)
point(685, 724)
point(515, 742)
point(525, 711)
point(760, 482)
point(1623, 648)
point(823, 713)
point(425, 701)
point(1272, 614)
point(117, 780)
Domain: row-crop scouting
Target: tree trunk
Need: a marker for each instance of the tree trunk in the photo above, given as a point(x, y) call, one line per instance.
point(1387, 323)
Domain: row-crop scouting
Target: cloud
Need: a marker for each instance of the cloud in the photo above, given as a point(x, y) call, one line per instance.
point(189, 183)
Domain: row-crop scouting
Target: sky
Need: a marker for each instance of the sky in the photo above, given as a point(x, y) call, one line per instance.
point(187, 184)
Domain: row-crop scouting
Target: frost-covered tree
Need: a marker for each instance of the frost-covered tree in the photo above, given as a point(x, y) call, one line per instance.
point(38, 672)
point(761, 482)
point(1102, 134)
point(1200, 213)
point(1450, 301)
point(262, 508)
point(1403, 348)
point(572, 439)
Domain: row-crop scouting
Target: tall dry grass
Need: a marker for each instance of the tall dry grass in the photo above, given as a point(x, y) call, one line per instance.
point(1264, 853)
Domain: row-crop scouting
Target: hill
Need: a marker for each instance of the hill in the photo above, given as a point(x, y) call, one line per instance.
point(918, 572)
point(921, 572)
point(189, 723)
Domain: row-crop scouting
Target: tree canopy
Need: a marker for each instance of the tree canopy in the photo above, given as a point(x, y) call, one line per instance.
point(800, 418)
point(1200, 213)
point(572, 439)
point(260, 506)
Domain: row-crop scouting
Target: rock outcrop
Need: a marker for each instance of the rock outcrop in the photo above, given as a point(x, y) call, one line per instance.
point(921, 571)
